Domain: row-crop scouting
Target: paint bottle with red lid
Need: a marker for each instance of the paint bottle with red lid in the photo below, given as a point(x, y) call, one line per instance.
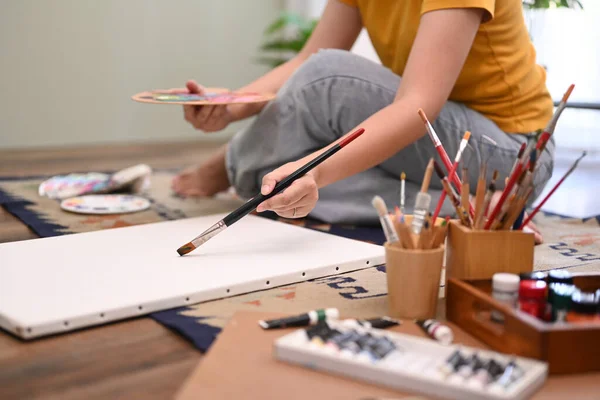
point(532, 297)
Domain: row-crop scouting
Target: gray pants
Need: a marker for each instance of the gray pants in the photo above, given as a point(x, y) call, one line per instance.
point(333, 92)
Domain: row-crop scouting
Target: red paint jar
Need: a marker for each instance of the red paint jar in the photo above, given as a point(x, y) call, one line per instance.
point(532, 297)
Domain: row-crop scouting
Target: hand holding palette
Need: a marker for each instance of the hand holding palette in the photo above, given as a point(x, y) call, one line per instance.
point(406, 362)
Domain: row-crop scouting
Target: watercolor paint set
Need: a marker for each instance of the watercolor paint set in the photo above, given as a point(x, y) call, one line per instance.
point(409, 363)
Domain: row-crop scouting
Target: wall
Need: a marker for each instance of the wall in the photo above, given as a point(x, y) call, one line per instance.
point(69, 67)
point(314, 9)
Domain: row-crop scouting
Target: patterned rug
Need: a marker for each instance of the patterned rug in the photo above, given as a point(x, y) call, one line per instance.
point(572, 244)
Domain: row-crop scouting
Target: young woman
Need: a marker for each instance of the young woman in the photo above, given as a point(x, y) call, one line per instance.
point(469, 64)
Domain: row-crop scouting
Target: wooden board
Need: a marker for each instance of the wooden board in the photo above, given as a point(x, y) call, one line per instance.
point(58, 284)
point(241, 362)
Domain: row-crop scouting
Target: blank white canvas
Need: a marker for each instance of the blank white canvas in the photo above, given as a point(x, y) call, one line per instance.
point(58, 284)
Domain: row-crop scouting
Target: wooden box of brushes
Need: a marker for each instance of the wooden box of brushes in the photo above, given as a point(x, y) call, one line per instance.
point(479, 254)
point(567, 347)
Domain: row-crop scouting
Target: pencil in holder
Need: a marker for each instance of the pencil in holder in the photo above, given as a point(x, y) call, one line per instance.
point(479, 254)
point(413, 281)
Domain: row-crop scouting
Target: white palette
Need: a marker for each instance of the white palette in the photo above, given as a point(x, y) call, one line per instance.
point(58, 284)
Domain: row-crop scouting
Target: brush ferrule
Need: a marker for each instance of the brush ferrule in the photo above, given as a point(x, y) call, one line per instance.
point(388, 229)
point(434, 137)
point(402, 195)
point(209, 233)
point(461, 148)
point(420, 211)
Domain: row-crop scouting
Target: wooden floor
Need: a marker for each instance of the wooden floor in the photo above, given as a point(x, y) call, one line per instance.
point(135, 359)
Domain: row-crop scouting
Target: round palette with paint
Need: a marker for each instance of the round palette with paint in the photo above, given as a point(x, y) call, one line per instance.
point(212, 96)
point(105, 204)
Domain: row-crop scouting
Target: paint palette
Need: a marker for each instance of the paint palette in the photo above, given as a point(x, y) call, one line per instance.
point(136, 178)
point(213, 96)
point(65, 186)
point(409, 363)
point(105, 204)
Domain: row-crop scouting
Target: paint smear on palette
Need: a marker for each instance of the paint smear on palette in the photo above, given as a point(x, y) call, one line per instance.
point(182, 97)
point(65, 186)
point(105, 204)
point(218, 98)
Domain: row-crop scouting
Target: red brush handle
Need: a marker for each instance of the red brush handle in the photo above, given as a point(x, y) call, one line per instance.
point(438, 208)
point(537, 209)
point(452, 176)
point(505, 193)
point(351, 137)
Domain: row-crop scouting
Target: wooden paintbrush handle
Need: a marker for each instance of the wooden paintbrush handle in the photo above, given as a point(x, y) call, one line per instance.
point(427, 177)
point(479, 198)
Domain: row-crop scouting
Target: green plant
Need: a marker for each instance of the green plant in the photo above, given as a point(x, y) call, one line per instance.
point(536, 4)
point(284, 38)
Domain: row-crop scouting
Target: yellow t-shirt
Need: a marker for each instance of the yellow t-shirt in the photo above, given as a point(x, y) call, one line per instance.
point(500, 77)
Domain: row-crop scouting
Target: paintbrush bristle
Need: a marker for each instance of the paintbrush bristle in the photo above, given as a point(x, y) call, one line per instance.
point(467, 136)
point(379, 205)
point(438, 169)
point(422, 115)
point(403, 176)
point(495, 175)
point(186, 248)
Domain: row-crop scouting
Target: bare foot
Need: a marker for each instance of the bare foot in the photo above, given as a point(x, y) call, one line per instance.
point(204, 180)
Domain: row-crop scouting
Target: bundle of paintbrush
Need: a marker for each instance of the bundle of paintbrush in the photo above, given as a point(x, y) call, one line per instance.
point(508, 212)
point(416, 231)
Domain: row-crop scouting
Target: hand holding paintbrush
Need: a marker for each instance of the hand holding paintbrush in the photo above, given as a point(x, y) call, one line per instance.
point(253, 203)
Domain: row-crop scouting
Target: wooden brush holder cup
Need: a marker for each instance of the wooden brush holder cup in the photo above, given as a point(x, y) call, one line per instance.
point(479, 254)
point(413, 281)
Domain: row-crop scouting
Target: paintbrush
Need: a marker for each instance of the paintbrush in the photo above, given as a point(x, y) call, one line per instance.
point(537, 209)
point(514, 184)
point(486, 202)
point(452, 172)
point(519, 157)
point(402, 191)
point(517, 210)
point(425, 237)
point(251, 204)
point(480, 193)
point(505, 193)
point(403, 231)
point(528, 186)
point(545, 136)
point(423, 201)
point(440, 234)
point(384, 217)
point(464, 194)
point(443, 155)
point(460, 211)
